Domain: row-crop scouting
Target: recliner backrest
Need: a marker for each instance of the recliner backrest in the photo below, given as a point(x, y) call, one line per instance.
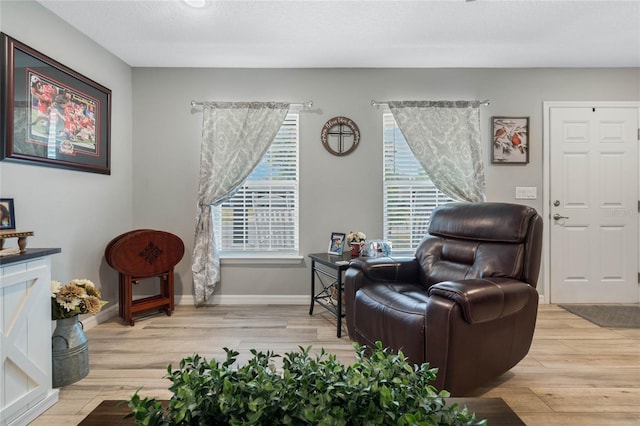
point(475, 240)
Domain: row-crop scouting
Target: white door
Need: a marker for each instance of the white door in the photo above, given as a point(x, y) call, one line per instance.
point(594, 205)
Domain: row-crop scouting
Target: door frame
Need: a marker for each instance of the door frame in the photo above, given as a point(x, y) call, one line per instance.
point(546, 176)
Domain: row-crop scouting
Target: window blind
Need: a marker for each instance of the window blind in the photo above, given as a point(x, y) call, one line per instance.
point(409, 195)
point(262, 216)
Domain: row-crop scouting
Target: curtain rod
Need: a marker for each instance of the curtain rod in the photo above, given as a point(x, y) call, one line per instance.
point(386, 103)
point(307, 104)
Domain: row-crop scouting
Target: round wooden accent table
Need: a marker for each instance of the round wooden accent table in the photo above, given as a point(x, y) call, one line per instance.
point(140, 254)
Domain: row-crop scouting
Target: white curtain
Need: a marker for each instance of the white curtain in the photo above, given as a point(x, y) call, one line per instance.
point(235, 136)
point(445, 138)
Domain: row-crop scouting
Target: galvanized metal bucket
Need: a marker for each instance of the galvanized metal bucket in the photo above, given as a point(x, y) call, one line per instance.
point(70, 352)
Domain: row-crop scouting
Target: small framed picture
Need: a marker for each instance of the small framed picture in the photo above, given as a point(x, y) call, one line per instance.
point(510, 140)
point(7, 216)
point(337, 243)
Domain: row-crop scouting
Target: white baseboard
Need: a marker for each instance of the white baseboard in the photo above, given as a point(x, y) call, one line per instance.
point(248, 299)
point(34, 411)
point(102, 316)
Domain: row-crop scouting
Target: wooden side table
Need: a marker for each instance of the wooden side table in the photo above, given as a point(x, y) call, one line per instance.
point(328, 266)
point(140, 254)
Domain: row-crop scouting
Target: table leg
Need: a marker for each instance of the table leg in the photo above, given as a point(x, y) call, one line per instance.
point(22, 244)
point(128, 296)
point(121, 291)
point(339, 312)
point(313, 285)
point(171, 294)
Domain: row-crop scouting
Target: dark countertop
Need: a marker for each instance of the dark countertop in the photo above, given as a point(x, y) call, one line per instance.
point(29, 254)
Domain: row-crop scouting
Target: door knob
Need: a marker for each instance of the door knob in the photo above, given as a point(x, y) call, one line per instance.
point(558, 217)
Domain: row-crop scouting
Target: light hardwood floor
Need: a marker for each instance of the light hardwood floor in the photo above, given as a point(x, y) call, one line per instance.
point(576, 373)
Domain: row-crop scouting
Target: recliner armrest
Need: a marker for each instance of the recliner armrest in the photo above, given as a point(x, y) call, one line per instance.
point(401, 269)
point(485, 299)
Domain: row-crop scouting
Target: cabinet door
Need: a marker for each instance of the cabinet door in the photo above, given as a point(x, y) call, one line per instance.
point(25, 341)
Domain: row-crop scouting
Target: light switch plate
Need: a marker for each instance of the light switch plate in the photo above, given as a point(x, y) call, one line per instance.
point(526, 192)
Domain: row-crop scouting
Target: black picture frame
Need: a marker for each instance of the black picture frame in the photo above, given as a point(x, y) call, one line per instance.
point(50, 114)
point(336, 245)
point(7, 214)
point(510, 140)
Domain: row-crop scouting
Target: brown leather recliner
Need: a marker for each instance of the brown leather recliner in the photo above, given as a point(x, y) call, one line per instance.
point(466, 303)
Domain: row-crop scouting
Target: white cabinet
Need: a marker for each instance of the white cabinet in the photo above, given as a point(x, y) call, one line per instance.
point(25, 337)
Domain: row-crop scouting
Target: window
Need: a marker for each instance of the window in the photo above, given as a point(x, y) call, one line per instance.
point(262, 217)
point(409, 195)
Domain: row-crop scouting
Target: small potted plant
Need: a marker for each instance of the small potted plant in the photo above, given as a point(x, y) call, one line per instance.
point(356, 241)
point(70, 347)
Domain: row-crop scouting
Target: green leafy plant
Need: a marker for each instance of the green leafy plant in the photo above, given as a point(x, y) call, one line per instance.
point(380, 388)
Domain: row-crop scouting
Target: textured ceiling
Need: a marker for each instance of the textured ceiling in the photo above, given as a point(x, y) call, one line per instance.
point(361, 33)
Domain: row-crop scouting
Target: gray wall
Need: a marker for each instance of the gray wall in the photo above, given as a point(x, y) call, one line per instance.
point(76, 211)
point(336, 193)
